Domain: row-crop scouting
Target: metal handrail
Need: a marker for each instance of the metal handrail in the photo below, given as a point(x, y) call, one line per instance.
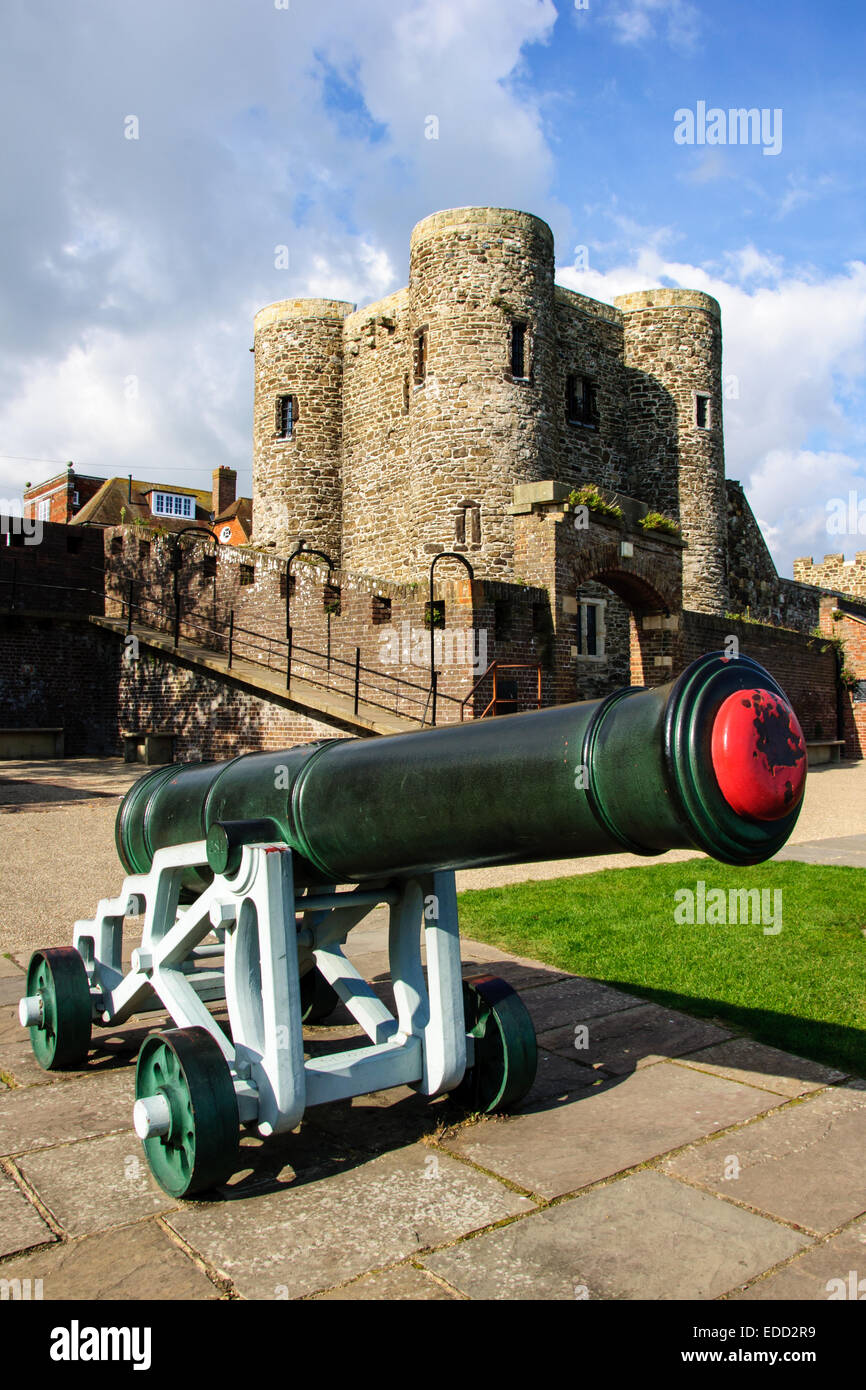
point(495, 667)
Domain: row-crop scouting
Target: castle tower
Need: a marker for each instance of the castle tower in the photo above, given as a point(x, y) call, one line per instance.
point(297, 424)
point(481, 379)
point(673, 362)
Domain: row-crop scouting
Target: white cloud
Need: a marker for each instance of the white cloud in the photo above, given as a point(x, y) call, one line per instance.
point(636, 21)
point(149, 257)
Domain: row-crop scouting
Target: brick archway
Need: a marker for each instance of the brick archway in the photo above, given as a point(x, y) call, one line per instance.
point(649, 582)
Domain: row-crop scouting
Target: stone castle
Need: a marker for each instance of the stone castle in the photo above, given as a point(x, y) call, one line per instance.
point(432, 420)
point(461, 414)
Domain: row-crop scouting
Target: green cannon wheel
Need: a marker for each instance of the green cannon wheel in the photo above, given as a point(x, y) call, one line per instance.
point(506, 1052)
point(186, 1111)
point(60, 1007)
point(319, 999)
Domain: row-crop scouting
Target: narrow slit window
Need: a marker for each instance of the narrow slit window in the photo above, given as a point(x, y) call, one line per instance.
point(702, 412)
point(420, 365)
point(518, 351)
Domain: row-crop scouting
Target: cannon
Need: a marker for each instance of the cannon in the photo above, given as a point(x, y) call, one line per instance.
point(251, 873)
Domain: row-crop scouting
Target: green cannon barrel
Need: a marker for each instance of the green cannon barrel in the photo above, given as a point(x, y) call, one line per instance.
point(714, 760)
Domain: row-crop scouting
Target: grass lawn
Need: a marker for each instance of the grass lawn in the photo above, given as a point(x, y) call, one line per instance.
point(802, 988)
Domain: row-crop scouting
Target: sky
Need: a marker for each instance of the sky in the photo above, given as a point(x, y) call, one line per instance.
point(168, 168)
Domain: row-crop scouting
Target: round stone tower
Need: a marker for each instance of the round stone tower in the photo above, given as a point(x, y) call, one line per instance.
point(297, 423)
point(481, 313)
point(673, 360)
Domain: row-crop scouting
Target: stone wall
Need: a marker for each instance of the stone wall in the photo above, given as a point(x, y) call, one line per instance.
point(834, 572)
point(296, 480)
point(673, 354)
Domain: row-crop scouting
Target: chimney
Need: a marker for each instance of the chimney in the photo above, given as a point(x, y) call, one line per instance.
point(224, 485)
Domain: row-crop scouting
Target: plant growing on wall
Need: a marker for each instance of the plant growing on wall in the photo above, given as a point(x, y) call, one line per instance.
point(589, 496)
point(660, 521)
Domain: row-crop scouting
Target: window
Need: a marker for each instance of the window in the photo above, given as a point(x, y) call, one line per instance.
point(43, 510)
point(144, 550)
point(247, 575)
point(172, 504)
point(406, 394)
point(702, 412)
point(467, 524)
point(76, 502)
point(581, 407)
point(381, 609)
point(209, 567)
point(332, 600)
point(117, 545)
point(518, 351)
point(590, 628)
point(434, 614)
point(420, 358)
point(286, 416)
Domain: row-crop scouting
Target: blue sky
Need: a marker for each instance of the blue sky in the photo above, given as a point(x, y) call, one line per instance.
point(132, 267)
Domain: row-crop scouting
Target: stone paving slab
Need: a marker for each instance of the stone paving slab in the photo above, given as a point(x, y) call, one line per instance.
point(36, 1117)
point(803, 1164)
point(645, 1237)
point(382, 1120)
point(571, 1000)
point(307, 1239)
point(837, 849)
point(815, 1275)
point(137, 1262)
point(630, 1038)
point(113, 1048)
point(756, 1064)
point(606, 1130)
point(95, 1184)
point(20, 1223)
point(12, 988)
point(393, 1286)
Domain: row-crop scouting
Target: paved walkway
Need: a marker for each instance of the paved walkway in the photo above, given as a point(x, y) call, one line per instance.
point(666, 1159)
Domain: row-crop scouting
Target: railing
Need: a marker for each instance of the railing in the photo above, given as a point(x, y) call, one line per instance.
point(327, 671)
point(324, 670)
point(493, 669)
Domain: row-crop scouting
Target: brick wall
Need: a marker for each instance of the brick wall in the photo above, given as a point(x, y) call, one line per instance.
point(804, 667)
point(65, 672)
point(387, 621)
point(58, 672)
point(55, 568)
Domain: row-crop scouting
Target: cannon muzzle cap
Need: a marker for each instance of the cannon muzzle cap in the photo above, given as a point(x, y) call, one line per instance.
point(759, 754)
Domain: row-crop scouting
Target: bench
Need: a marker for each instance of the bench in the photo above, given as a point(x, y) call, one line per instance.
point(824, 750)
point(31, 743)
point(148, 746)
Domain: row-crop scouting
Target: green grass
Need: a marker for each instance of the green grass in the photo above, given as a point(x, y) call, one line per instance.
point(803, 989)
